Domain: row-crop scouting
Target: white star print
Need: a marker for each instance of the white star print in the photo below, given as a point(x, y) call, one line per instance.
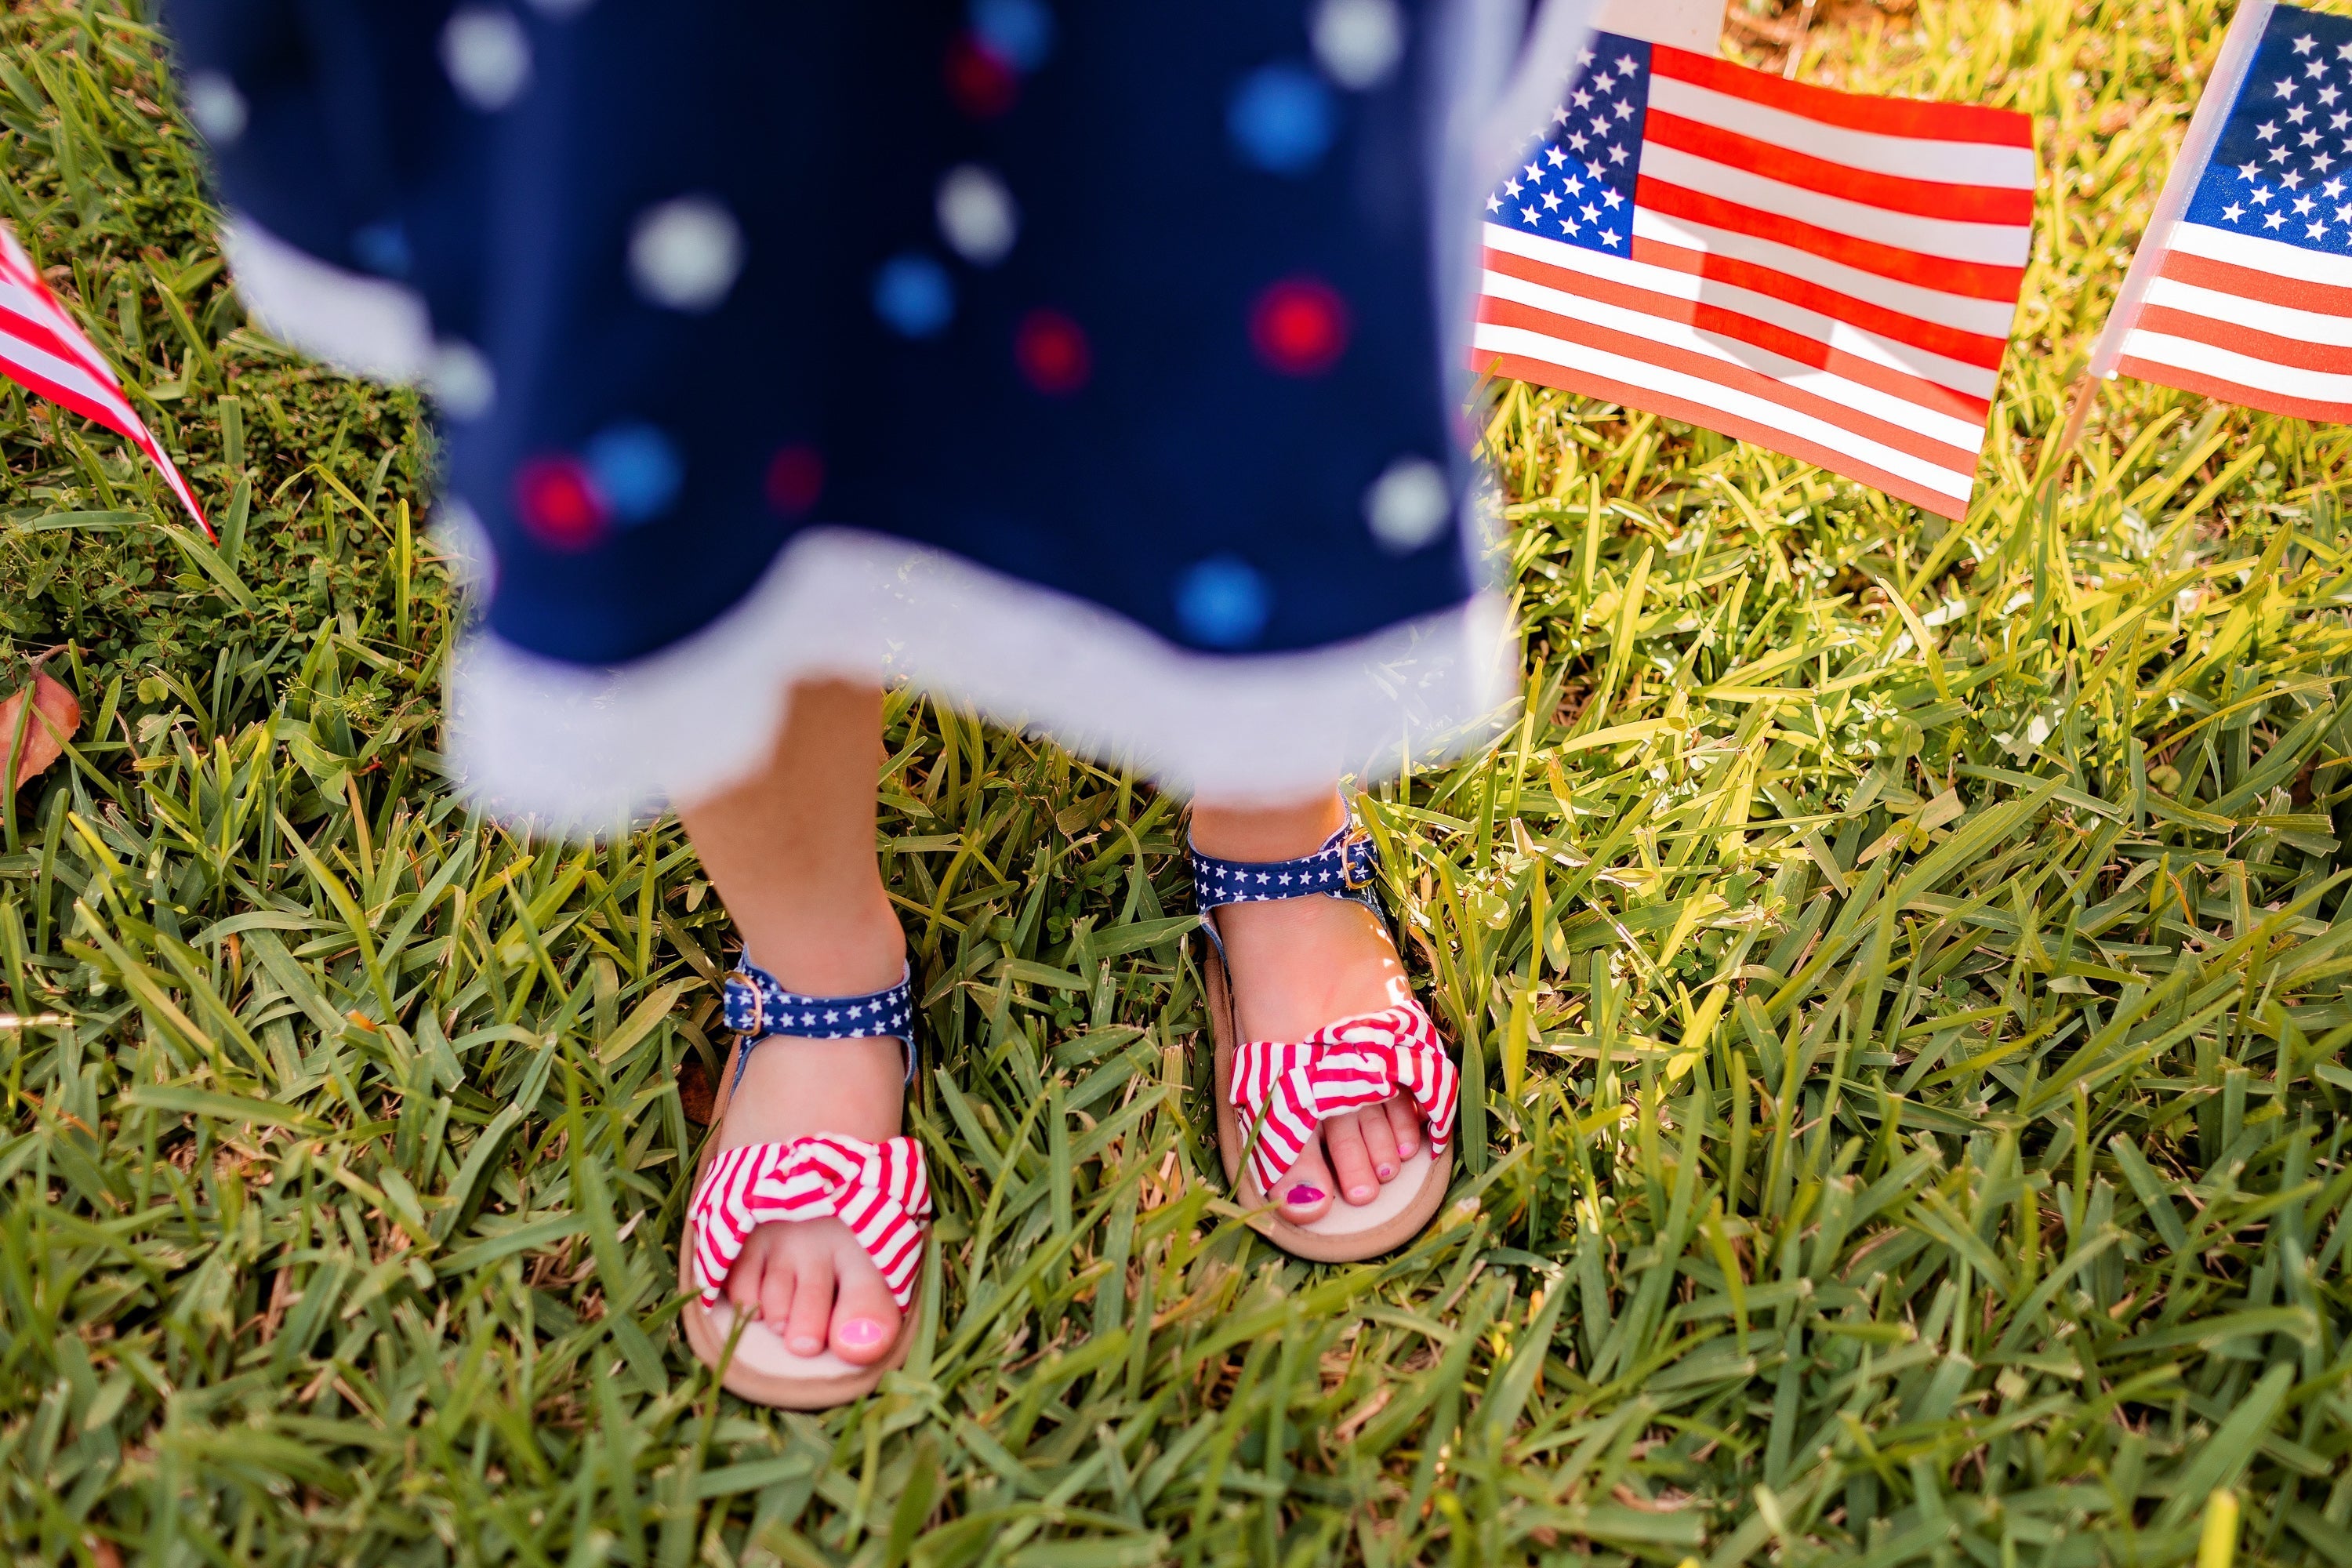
point(806, 1019)
point(2310, 137)
point(2248, 171)
point(2274, 220)
point(2344, 212)
point(1535, 175)
point(1591, 213)
point(2344, 52)
point(1584, 57)
point(1613, 200)
point(2303, 205)
point(1575, 185)
point(831, 1016)
point(1556, 156)
point(2291, 180)
point(2332, 189)
point(1559, 116)
point(1610, 240)
point(1567, 225)
point(2278, 155)
point(1582, 100)
point(1261, 875)
point(1627, 69)
point(2268, 131)
point(1512, 187)
point(2322, 162)
point(2316, 230)
point(1552, 201)
point(1625, 111)
point(1493, 203)
point(2328, 95)
point(2306, 44)
point(2262, 196)
point(1527, 215)
point(1601, 125)
point(2297, 115)
point(2315, 70)
point(2287, 87)
point(1285, 878)
point(2233, 212)
point(1580, 141)
point(1616, 154)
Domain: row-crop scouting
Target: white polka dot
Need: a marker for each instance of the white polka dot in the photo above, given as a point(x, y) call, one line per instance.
point(461, 380)
point(217, 107)
point(1359, 42)
point(487, 56)
point(977, 216)
point(1408, 505)
point(684, 254)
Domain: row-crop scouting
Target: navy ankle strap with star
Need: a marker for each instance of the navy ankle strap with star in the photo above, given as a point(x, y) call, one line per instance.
point(1347, 867)
point(757, 1006)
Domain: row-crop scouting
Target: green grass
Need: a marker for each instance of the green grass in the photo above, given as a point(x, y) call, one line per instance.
point(1905, 1064)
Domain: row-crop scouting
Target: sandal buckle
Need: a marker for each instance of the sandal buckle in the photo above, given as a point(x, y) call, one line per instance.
point(1357, 850)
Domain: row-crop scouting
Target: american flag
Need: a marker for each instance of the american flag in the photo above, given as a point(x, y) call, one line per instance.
point(2246, 294)
point(42, 351)
point(1827, 275)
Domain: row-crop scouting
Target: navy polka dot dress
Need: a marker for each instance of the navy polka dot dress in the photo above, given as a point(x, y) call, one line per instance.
point(1086, 363)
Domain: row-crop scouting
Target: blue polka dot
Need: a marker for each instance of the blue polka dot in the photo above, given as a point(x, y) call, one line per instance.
point(637, 469)
point(1283, 119)
point(1223, 602)
point(383, 248)
point(1018, 32)
point(914, 295)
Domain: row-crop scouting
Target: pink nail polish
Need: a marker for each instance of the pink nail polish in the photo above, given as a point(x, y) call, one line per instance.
point(801, 1344)
point(1302, 1195)
point(1363, 1195)
point(1388, 1173)
point(860, 1332)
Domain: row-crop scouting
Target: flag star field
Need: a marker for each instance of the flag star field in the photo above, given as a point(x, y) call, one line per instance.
point(2252, 301)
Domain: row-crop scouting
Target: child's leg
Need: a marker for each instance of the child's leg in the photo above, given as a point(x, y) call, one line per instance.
point(791, 853)
point(1299, 965)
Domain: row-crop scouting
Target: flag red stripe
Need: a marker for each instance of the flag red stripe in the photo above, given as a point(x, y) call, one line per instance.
point(1897, 326)
point(2292, 352)
point(2270, 288)
point(1894, 193)
point(1975, 279)
point(1542, 372)
point(109, 416)
point(1737, 377)
point(1880, 116)
point(1746, 329)
point(2232, 392)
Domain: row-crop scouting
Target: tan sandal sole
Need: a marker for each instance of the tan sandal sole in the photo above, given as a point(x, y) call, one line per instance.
point(763, 1369)
point(1347, 1234)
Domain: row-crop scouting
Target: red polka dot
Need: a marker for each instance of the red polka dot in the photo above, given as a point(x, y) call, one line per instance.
point(981, 81)
point(1299, 326)
point(1052, 352)
point(560, 504)
point(796, 478)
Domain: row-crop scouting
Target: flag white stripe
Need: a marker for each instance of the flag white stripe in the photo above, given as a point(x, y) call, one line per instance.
point(1844, 336)
point(36, 305)
point(1963, 313)
point(1964, 435)
point(2269, 375)
point(1772, 416)
point(1986, 243)
point(2262, 255)
point(1911, 157)
point(2257, 315)
point(69, 374)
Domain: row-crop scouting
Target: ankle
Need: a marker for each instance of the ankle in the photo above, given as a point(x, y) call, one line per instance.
point(840, 944)
point(1264, 832)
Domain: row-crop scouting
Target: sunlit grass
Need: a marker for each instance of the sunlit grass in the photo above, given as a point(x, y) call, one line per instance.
point(1897, 970)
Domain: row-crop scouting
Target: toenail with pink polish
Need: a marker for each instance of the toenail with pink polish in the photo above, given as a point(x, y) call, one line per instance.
point(802, 1344)
point(1302, 1195)
point(860, 1332)
point(1387, 1172)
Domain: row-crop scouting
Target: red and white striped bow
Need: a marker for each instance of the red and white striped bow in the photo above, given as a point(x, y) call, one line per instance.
point(1351, 1065)
point(878, 1190)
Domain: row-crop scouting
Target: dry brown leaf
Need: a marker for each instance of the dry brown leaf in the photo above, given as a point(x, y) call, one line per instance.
point(56, 716)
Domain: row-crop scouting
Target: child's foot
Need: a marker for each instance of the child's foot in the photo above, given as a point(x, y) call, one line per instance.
point(808, 1281)
point(1298, 966)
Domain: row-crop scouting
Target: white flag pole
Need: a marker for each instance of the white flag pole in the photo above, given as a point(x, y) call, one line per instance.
point(2213, 108)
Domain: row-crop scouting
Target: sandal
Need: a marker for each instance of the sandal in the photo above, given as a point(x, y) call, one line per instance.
point(1272, 1097)
point(880, 1191)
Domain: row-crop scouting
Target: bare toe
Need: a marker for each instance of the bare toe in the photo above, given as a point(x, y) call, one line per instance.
point(804, 1331)
point(1380, 1143)
point(1305, 1189)
point(777, 1285)
point(1405, 1126)
point(749, 1272)
point(1351, 1163)
point(865, 1314)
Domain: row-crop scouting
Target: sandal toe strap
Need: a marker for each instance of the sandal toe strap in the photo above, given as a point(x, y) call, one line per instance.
point(880, 1191)
point(1288, 1091)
